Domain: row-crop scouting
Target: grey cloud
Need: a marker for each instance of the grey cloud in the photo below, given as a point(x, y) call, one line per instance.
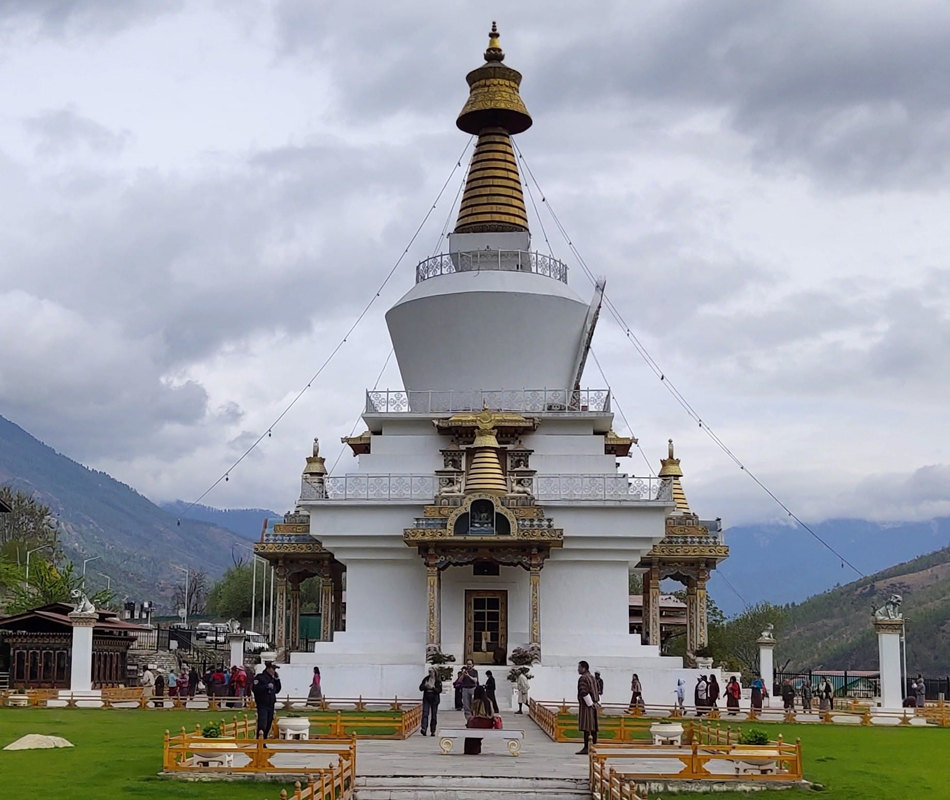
point(69, 18)
point(851, 97)
point(65, 130)
point(921, 495)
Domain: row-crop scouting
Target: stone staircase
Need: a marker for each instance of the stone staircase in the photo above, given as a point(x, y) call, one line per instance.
point(483, 787)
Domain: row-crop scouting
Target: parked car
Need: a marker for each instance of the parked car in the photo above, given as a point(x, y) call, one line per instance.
point(255, 642)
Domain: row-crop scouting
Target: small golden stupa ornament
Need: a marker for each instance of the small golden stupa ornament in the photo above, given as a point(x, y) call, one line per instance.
point(493, 200)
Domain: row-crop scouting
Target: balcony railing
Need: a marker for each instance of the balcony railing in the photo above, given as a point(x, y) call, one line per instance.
point(620, 488)
point(496, 260)
point(536, 401)
point(547, 488)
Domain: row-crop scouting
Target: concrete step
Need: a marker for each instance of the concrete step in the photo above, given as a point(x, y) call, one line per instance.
point(452, 787)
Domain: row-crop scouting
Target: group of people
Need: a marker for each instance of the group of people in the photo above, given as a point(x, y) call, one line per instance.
point(186, 683)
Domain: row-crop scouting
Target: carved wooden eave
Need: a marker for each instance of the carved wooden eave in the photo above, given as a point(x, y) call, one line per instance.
point(615, 445)
point(508, 426)
point(360, 445)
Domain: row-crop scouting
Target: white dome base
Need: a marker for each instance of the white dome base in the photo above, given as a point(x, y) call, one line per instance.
point(487, 329)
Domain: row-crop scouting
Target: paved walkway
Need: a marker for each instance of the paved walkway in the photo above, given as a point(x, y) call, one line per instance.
point(420, 755)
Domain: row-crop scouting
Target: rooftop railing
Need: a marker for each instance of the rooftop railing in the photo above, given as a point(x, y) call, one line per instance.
point(547, 488)
point(535, 401)
point(495, 260)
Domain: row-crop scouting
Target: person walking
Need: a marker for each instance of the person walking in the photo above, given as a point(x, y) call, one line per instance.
point(184, 687)
point(758, 690)
point(431, 688)
point(522, 688)
point(266, 687)
point(680, 692)
point(469, 682)
point(636, 693)
point(193, 679)
point(826, 696)
point(806, 696)
point(788, 695)
point(733, 693)
point(147, 682)
point(172, 683)
point(701, 695)
point(600, 684)
point(587, 700)
point(490, 687)
point(921, 692)
point(315, 695)
point(715, 691)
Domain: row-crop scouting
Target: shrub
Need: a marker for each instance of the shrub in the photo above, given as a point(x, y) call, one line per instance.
point(524, 657)
point(754, 736)
point(440, 661)
point(211, 731)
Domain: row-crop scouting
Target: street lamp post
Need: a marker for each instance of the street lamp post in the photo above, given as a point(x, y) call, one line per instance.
point(109, 581)
point(187, 573)
point(84, 562)
point(28, 554)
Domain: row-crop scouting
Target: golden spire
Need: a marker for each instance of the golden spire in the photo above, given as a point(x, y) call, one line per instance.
point(485, 473)
point(493, 199)
point(670, 468)
point(316, 464)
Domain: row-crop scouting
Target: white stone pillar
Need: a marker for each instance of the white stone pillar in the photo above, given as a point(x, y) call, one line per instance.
point(236, 642)
point(767, 666)
point(889, 633)
point(80, 675)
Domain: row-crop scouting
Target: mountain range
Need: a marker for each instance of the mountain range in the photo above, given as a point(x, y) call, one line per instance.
point(833, 630)
point(141, 547)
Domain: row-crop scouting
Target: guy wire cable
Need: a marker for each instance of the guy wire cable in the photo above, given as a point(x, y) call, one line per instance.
point(266, 434)
point(670, 387)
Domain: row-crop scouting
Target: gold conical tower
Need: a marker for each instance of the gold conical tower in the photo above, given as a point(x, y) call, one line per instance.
point(493, 200)
point(485, 473)
point(670, 468)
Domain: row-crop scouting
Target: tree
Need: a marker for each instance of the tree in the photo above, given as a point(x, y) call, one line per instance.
point(47, 584)
point(735, 641)
point(29, 525)
point(197, 593)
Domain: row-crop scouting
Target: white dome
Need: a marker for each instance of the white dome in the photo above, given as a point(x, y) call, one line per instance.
point(487, 330)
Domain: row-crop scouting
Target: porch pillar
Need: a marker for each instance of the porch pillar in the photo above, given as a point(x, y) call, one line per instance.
point(692, 616)
point(295, 613)
point(326, 608)
point(702, 622)
point(434, 603)
point(280, 616)
point(534, 617)
point(651, 607)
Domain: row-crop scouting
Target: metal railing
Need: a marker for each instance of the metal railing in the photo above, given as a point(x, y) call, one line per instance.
point(547, 488)
point(533, 401)
point(620, 488)
point(492, 260)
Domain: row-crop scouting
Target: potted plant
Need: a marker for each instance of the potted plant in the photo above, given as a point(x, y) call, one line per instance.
point(440, 661)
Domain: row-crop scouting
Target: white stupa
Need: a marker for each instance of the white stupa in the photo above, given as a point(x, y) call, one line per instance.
point(487, 510)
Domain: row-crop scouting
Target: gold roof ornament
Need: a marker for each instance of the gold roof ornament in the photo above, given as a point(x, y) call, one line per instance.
point(316, 464)
point(670, 468)
point(493, 200)
point(507, 423)
point(485, 473)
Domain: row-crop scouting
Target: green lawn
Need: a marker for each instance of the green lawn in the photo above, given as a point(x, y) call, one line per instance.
point(117, 754)
point(866, 763)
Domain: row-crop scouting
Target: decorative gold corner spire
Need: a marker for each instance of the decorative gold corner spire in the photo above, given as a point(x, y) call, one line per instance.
point(670, 468)
point(316, 464)
point(493, 198)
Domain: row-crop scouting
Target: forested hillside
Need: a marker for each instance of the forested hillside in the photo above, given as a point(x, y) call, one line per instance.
point(833, 630)
point(139, 544)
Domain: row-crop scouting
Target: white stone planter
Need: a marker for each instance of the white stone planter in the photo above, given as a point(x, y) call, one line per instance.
point(704, 663)
point(293, 728)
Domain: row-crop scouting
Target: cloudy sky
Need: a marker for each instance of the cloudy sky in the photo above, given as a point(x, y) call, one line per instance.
point(197, 199)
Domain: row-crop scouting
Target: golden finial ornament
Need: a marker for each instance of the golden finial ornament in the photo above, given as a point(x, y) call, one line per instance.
point(493, 199)
point(670, 468)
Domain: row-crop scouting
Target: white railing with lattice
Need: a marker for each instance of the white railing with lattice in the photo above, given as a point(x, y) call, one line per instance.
point(525, 401)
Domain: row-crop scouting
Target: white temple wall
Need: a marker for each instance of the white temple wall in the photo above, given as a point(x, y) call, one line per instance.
point(386, 602)
point(455, 580)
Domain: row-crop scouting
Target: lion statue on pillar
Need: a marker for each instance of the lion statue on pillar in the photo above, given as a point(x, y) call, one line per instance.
point(891, 610)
